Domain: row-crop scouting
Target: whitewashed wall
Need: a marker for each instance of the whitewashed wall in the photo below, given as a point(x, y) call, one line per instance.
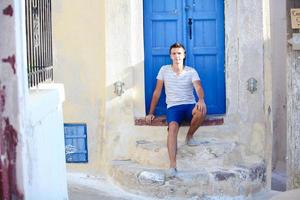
point(35, 115)
point(12, 96)
point(293, 107)
point(279, 78)
point(44, 156)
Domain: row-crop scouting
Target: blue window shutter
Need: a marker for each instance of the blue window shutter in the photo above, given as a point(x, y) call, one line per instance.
point(76, 143)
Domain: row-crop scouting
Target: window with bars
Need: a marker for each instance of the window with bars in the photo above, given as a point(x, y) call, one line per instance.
point(39, 41)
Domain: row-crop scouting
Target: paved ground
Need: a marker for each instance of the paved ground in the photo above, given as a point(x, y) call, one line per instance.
point(288, 195)
point(86, 193)
point(81, 187)
point(279, 177)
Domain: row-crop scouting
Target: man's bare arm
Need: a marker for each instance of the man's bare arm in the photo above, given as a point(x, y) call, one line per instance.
point(201, 106)
point(154, 101)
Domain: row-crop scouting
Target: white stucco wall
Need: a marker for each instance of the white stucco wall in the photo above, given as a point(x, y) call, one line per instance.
point(44, 149)
point(244, 59)
point(279, 52)
point(12, 89)
point(41, 135)
point(293, 107)
point(35, 116)
point(268, 98)
point(125, 62)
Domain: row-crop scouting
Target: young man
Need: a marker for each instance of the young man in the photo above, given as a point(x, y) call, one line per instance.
point(179, 81)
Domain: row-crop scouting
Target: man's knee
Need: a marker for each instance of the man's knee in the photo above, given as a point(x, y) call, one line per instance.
point(199, 116)
point(173, 128)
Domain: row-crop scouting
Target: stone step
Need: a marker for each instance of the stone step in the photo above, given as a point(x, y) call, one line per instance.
point(209, 152)
point(197, 183)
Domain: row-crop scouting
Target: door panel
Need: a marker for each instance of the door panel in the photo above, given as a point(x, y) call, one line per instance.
point(206, 50)
point(204, 5)
point(163, 24)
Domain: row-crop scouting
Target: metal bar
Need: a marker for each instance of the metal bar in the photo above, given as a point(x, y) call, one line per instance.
point(39, 59)
point(47, 33)
point(40, 47)
point(39, 41)
point(32, 43)
point(33, 16)
point(50, 30)
point(28, 33)
point(43, 24)
point(28, 41)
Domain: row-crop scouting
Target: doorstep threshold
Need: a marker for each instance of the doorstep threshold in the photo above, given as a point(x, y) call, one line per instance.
point(162, 121)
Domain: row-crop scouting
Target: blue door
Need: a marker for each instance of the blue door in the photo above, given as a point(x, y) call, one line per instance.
point(199, 26)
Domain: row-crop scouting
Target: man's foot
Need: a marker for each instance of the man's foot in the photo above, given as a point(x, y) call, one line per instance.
point(171, 173)
point(191, 142)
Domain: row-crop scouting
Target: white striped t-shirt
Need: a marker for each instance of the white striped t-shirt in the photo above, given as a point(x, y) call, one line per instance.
point(178, 88)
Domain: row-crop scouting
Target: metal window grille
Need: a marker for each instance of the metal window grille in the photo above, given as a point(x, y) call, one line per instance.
point(39, 41)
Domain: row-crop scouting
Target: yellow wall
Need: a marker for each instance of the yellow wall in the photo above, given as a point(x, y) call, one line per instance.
point(79, 61)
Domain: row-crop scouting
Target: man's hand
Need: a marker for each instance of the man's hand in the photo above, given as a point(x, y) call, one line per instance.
point(201, 106)
point(149, 118)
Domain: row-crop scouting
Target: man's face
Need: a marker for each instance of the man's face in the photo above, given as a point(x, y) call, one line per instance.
point(177, 55)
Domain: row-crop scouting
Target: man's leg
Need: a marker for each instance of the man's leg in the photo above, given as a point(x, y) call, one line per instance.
point(172, 142)
point(196, 121)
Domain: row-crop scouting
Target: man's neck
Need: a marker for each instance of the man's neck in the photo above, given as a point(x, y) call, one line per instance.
point(177, 67)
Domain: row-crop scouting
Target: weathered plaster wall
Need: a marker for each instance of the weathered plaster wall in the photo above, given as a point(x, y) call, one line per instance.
point(79, 61)
point(279, 90)
point(29, 147)
point(267, 46)
point(124, 62)
point(11, 100)
point(44, 158)
point(244, 59)
point(293, 107)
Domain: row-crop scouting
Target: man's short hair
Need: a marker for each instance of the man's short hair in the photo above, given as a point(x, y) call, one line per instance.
point(176, 45)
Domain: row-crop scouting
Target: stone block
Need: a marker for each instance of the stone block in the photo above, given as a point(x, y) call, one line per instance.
point(151, 178)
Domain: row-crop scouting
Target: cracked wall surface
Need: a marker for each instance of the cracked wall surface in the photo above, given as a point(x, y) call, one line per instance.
point(9, 188)
point(293, 108)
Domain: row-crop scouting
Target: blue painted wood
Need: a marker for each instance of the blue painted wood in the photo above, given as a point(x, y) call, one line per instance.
point(165, 22)
point(206, 50)
point(76, 143)
point(162, 19)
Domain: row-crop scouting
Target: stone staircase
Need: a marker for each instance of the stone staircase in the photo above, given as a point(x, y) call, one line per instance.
point(216, 167)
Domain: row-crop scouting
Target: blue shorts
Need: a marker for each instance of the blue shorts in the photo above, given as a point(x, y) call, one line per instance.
point(180, 113)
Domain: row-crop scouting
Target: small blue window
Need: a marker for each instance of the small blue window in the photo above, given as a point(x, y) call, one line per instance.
point(76, 143)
